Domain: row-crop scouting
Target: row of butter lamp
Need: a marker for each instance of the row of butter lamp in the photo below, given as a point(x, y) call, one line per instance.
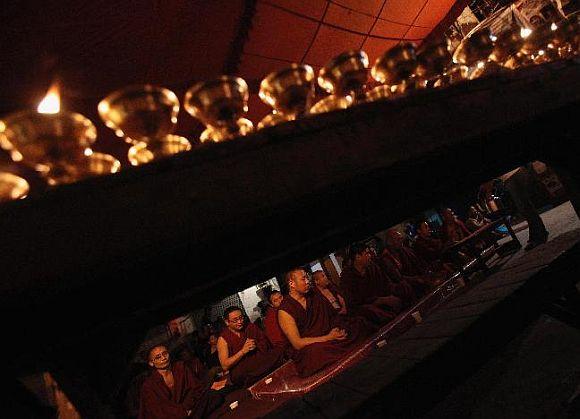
point(57, 143)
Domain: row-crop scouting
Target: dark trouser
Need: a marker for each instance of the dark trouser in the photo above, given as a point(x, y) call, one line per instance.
point(520, 187)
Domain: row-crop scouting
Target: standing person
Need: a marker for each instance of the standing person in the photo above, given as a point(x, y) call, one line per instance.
point(318, 334)
point(244, 350)
point(172, 391)
point(519, 184)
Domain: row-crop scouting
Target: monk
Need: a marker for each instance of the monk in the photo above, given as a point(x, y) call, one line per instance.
point(244, 350)
point(430, 249)
point(329, 291)
point(271, 327)
point(318, 334)
point(172, 391)
point(409, 264)
point(366, 291)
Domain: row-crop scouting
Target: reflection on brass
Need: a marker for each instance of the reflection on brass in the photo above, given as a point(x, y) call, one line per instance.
point(433, 58)
point(289, 91)
point(518, 60)
point(486, 69)
point(169, 145)
point(55, 145)
point(216, 135)
point(12, 187)
point(220, 104)
point(273, 119)
point(474, 49)
point(507, 44)
point(346, 74)
point(454, 75)
point(379, 93)
point(396, 65)
point(140, 113)
point(331, 103)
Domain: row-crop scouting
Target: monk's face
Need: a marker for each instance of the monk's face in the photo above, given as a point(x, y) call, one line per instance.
point(320, 279)
point(276, 299)
point(212, 340)
point(364, 257)
point(300, 282)
point(235, 320)
point(159, 358)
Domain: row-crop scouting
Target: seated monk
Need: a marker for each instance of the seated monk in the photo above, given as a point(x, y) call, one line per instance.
point(271, 327)
point(244, 350)
point(172, 391)
point(409, 264)
point(318, 334)
point(329, 291)
point(430, 249)
point(366, 291)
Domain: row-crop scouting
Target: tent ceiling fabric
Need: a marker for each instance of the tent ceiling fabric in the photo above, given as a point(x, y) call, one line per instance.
point(97, 46)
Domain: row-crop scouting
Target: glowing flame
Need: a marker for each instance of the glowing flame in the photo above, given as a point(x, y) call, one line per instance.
point(493, 38)
point(51, 102)
point(553, 26)
point(481, 64)
point(541, 52)
point(525, 32)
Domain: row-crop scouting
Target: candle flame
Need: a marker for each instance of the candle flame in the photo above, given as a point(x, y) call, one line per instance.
point(51, 102)
point(525, 32)
point(553, 26)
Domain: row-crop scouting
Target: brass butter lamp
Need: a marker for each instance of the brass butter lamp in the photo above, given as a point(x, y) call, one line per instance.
point(289, 92)
point(12, 187)
point(55, 143)
point(475, 51)
point(144, 116)
point(344, 78)
point(221, 105)
point(433, 58)
point(395, 69)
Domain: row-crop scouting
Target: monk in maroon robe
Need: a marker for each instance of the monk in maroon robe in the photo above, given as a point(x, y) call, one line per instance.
point(271, 327)
point(244, 350)
point(318, 334)
point(172, 391)
point(366, 290)
point(330, 292)
point(409, 263)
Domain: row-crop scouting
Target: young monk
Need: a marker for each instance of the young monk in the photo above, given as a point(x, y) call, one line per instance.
point(318, 334)
point(329, 291)
point(244, 350)
point(172, 391)
point(271, 327)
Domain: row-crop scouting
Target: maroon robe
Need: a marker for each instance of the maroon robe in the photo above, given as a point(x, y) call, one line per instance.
point(318, 319)
point(158, 401)
point(256, 363)
point(361, 290)
point(272, 329)
point(428, 248)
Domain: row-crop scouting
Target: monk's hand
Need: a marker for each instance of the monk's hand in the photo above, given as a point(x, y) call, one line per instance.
point(249, 345)
point(218, 385)
point(337, 334)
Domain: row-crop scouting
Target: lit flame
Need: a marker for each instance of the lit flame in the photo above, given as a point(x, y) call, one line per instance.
point(493, 38)
point(553, 26)
point(481, 64)
point(525, 32)
point(541, 52)
point(51, 102)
